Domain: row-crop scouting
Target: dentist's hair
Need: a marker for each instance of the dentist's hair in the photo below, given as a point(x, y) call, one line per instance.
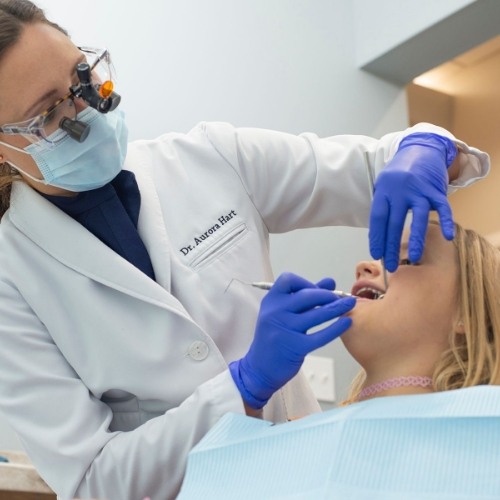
point(473, 356)
point(14, 15)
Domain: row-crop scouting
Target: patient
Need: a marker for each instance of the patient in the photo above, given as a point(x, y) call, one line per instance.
point(437, 328)
point(438, 325)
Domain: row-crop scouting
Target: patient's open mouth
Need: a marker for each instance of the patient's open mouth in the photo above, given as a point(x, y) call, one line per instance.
point(370, 293)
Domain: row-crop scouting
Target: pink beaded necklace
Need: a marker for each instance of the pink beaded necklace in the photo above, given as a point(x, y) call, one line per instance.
point(414, 381)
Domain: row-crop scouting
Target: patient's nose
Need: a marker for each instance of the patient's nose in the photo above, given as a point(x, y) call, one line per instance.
point(368, 269)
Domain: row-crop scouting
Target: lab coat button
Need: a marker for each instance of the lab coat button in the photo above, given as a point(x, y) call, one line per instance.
point(198, 350)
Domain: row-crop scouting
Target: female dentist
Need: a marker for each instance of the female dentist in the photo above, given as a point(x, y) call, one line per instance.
point(122, 344)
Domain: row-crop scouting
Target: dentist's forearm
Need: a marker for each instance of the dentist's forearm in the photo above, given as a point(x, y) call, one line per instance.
point(454, 168)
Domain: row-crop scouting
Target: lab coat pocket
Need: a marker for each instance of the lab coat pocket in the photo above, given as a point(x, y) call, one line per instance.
point(222, 244)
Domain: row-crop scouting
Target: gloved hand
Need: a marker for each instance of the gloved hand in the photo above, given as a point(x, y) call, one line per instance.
point(415, 179)
point(291, 307)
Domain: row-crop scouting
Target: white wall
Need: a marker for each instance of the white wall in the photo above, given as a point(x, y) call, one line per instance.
point(282, 64)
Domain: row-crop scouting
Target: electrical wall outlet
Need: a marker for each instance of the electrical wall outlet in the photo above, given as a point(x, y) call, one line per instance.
point(319, 372)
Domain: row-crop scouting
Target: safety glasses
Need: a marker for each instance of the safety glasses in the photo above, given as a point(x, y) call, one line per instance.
point(46, 125)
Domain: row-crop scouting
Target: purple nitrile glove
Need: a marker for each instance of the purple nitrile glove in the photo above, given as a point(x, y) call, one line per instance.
point(291, 307)
point(415, 179)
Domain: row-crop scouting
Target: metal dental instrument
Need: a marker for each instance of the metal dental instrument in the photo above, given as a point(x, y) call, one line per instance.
point(372, 189)
point(266, 285)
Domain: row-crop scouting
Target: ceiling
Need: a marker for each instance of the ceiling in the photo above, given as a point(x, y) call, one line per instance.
point(441, 77)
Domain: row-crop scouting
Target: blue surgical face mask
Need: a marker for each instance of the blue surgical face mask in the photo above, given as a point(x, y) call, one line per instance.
point(82, 166)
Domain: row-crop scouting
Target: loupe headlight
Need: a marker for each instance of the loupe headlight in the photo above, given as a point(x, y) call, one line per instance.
point(96, 76)
point(76, 129)
point(99, 96)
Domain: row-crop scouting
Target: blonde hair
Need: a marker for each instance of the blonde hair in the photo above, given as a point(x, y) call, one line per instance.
point(472, 357)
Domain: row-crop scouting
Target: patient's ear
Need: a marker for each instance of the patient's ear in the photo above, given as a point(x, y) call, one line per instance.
point(459, 326)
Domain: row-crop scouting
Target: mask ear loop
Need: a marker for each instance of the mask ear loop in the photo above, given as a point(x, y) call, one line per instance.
point(15, 167)
point(15, 148)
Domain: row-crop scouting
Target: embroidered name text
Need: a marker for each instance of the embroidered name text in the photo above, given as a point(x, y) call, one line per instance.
point(199, 239)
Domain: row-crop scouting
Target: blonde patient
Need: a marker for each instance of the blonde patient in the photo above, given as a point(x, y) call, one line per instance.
point(436, 329)
point(437, 326)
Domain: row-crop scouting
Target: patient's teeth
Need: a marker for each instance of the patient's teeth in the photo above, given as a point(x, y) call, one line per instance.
point(368, 293)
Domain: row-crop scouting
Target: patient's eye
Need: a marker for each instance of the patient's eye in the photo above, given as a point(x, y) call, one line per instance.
point(407, 262)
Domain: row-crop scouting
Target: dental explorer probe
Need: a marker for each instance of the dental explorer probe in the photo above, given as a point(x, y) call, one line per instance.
point(266, 285)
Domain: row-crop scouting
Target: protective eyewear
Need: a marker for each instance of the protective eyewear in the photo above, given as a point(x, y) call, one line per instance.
point(98, 72)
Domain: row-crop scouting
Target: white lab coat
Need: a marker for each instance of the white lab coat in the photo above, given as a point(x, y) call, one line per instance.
point(110, 378)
